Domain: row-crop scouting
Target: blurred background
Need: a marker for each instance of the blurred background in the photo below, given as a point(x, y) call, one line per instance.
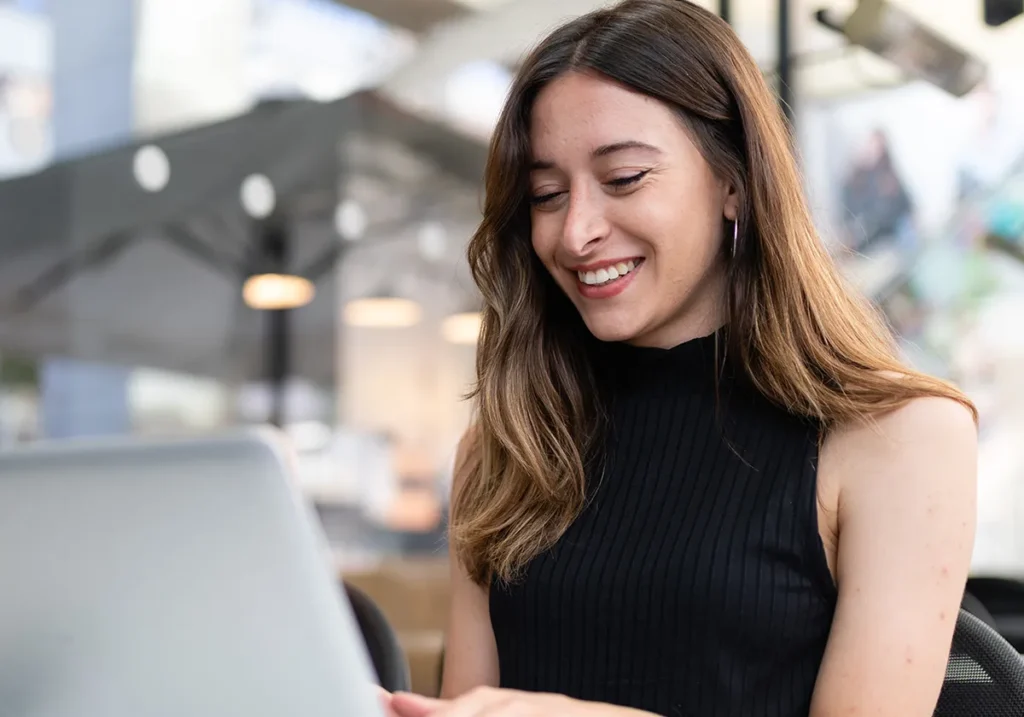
point(217, 213)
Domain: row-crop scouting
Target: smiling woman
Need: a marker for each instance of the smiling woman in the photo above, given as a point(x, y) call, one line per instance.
point(701, 481)
point(628, 165)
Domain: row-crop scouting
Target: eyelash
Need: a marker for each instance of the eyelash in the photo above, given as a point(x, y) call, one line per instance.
point(632, 179)
point(619, 183)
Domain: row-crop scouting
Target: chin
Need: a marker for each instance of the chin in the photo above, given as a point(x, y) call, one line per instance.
point(610, 331)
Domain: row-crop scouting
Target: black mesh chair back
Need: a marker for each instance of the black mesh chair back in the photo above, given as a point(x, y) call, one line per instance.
point(984, 676)
point(1003, 597)
point(386, 653)
point(976, 607)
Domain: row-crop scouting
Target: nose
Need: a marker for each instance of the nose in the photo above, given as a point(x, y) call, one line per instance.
point(585, 221)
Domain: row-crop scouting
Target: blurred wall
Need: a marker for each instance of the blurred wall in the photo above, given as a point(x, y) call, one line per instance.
point(94, 45)
point(407, 384)
point(26, 73)
point(190, 67)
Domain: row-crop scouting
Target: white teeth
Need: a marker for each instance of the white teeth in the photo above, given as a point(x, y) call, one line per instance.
point(606, 274)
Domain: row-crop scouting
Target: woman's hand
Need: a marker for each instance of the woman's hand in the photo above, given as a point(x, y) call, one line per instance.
point(493, 702)
point(385, 698)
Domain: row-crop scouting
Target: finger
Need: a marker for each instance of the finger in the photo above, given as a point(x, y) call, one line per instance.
point(407, 704)
point(384, 697)
point(479, 702)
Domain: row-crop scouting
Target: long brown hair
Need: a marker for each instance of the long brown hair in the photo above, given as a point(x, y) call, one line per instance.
point(804, 339)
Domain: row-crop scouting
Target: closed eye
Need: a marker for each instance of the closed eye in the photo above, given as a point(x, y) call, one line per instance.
point(627, 181)
point(617, 183)
point(544, 198)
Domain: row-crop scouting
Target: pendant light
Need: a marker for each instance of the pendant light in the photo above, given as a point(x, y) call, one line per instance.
point(270, 292)
point(384, 310)
point(463, 327)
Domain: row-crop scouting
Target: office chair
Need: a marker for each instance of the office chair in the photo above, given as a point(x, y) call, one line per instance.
point(984, 676)
point(1003, 597)
point(386, 653)
point(976, 607)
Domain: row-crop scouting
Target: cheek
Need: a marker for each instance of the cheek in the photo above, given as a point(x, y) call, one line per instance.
point(686, 229)
point(544, 241)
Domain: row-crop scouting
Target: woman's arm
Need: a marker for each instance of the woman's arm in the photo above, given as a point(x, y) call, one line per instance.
point(906, 532)
point(471, 657)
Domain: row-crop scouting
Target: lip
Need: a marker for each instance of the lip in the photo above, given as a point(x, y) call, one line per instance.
point(607, 291)
point(594, 266)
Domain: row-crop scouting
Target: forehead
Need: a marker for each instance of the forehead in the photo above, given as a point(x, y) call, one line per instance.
point(580, 111)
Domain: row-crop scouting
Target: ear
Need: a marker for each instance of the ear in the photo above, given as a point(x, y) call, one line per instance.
point(731, 203)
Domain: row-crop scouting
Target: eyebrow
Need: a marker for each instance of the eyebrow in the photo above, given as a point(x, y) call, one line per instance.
point(602, 151)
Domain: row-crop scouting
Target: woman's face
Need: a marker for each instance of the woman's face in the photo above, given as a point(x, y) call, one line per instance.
point(627, 215)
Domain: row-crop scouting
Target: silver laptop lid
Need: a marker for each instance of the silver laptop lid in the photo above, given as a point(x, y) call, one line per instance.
point(170, 579)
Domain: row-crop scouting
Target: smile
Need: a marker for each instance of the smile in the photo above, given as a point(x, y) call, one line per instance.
point(604, 281)
point(608, 274)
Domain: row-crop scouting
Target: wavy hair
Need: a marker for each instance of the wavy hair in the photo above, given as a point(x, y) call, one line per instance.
point(804, 339)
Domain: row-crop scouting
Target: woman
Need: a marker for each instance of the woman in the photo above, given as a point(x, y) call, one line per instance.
point(700, 481)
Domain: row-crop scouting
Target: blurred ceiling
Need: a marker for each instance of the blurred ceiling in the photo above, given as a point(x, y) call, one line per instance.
point(93, 267)
point(99, 260)
point(501, 33)
point(416, 15)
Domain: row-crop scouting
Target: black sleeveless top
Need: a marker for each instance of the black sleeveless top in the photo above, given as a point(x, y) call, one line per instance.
point(695, 582)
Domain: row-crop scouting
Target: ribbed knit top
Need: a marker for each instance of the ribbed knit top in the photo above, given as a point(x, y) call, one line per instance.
point(694, 583)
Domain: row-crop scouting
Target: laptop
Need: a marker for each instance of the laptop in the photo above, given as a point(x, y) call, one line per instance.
point(164, 579)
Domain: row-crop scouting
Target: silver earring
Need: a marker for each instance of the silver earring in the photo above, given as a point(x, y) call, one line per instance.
point(735, 236)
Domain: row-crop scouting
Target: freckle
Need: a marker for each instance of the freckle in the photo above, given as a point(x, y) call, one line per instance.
point(910, 660)
point(942, 616)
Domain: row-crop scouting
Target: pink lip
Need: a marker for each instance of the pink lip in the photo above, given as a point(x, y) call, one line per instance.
point(607, 291)
point(604, 264)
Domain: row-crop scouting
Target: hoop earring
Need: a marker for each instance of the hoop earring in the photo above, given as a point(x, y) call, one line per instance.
point(735, 236)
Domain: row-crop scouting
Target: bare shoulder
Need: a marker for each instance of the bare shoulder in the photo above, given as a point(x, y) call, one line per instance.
point(924, 426)
point(923, 416)
point(929, 444)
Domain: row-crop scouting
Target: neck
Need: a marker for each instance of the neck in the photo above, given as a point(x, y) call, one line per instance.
point(701, 315)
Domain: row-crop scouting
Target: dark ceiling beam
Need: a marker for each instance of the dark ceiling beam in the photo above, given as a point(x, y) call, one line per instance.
point(450, 150)
point(415, 15)
point(72, 204)
point(63, 271)
point(81, 213)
